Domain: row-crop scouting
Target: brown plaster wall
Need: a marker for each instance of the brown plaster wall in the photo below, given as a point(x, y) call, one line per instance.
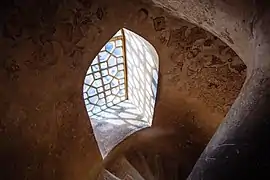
point(46, 48)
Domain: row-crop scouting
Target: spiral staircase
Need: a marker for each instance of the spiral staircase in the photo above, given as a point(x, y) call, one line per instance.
point(152, 154)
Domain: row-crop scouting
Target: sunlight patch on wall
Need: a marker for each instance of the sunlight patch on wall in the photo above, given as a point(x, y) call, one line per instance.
point(142, 74)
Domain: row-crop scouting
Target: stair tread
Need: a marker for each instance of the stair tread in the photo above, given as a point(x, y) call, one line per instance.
point(107, 175)
point(139, 162)
point(125, 170)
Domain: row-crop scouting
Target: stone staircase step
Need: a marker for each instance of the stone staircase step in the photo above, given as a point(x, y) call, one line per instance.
point(124, 170)
point(106, 175)
point(138, 160)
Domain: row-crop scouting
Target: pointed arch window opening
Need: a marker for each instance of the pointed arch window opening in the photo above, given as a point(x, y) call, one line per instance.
point(120, 88)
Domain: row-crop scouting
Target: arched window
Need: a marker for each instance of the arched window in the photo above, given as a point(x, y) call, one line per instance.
point(120, 88)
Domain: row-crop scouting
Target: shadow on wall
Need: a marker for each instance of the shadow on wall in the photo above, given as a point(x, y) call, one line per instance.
point(120, 89)
point(142, 64)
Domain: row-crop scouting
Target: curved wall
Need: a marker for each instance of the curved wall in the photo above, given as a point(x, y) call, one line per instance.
point(45, 50)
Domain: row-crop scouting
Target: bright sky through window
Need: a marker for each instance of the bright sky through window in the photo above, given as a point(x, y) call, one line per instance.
point(105, 81)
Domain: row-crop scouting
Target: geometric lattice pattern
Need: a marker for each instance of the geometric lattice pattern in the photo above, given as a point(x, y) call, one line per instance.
point(105, 82)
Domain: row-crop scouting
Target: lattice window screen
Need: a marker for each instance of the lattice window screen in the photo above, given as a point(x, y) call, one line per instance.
point(105, 84)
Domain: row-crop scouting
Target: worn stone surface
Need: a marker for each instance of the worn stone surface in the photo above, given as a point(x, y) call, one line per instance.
point(46, 48)
point(240, 147)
